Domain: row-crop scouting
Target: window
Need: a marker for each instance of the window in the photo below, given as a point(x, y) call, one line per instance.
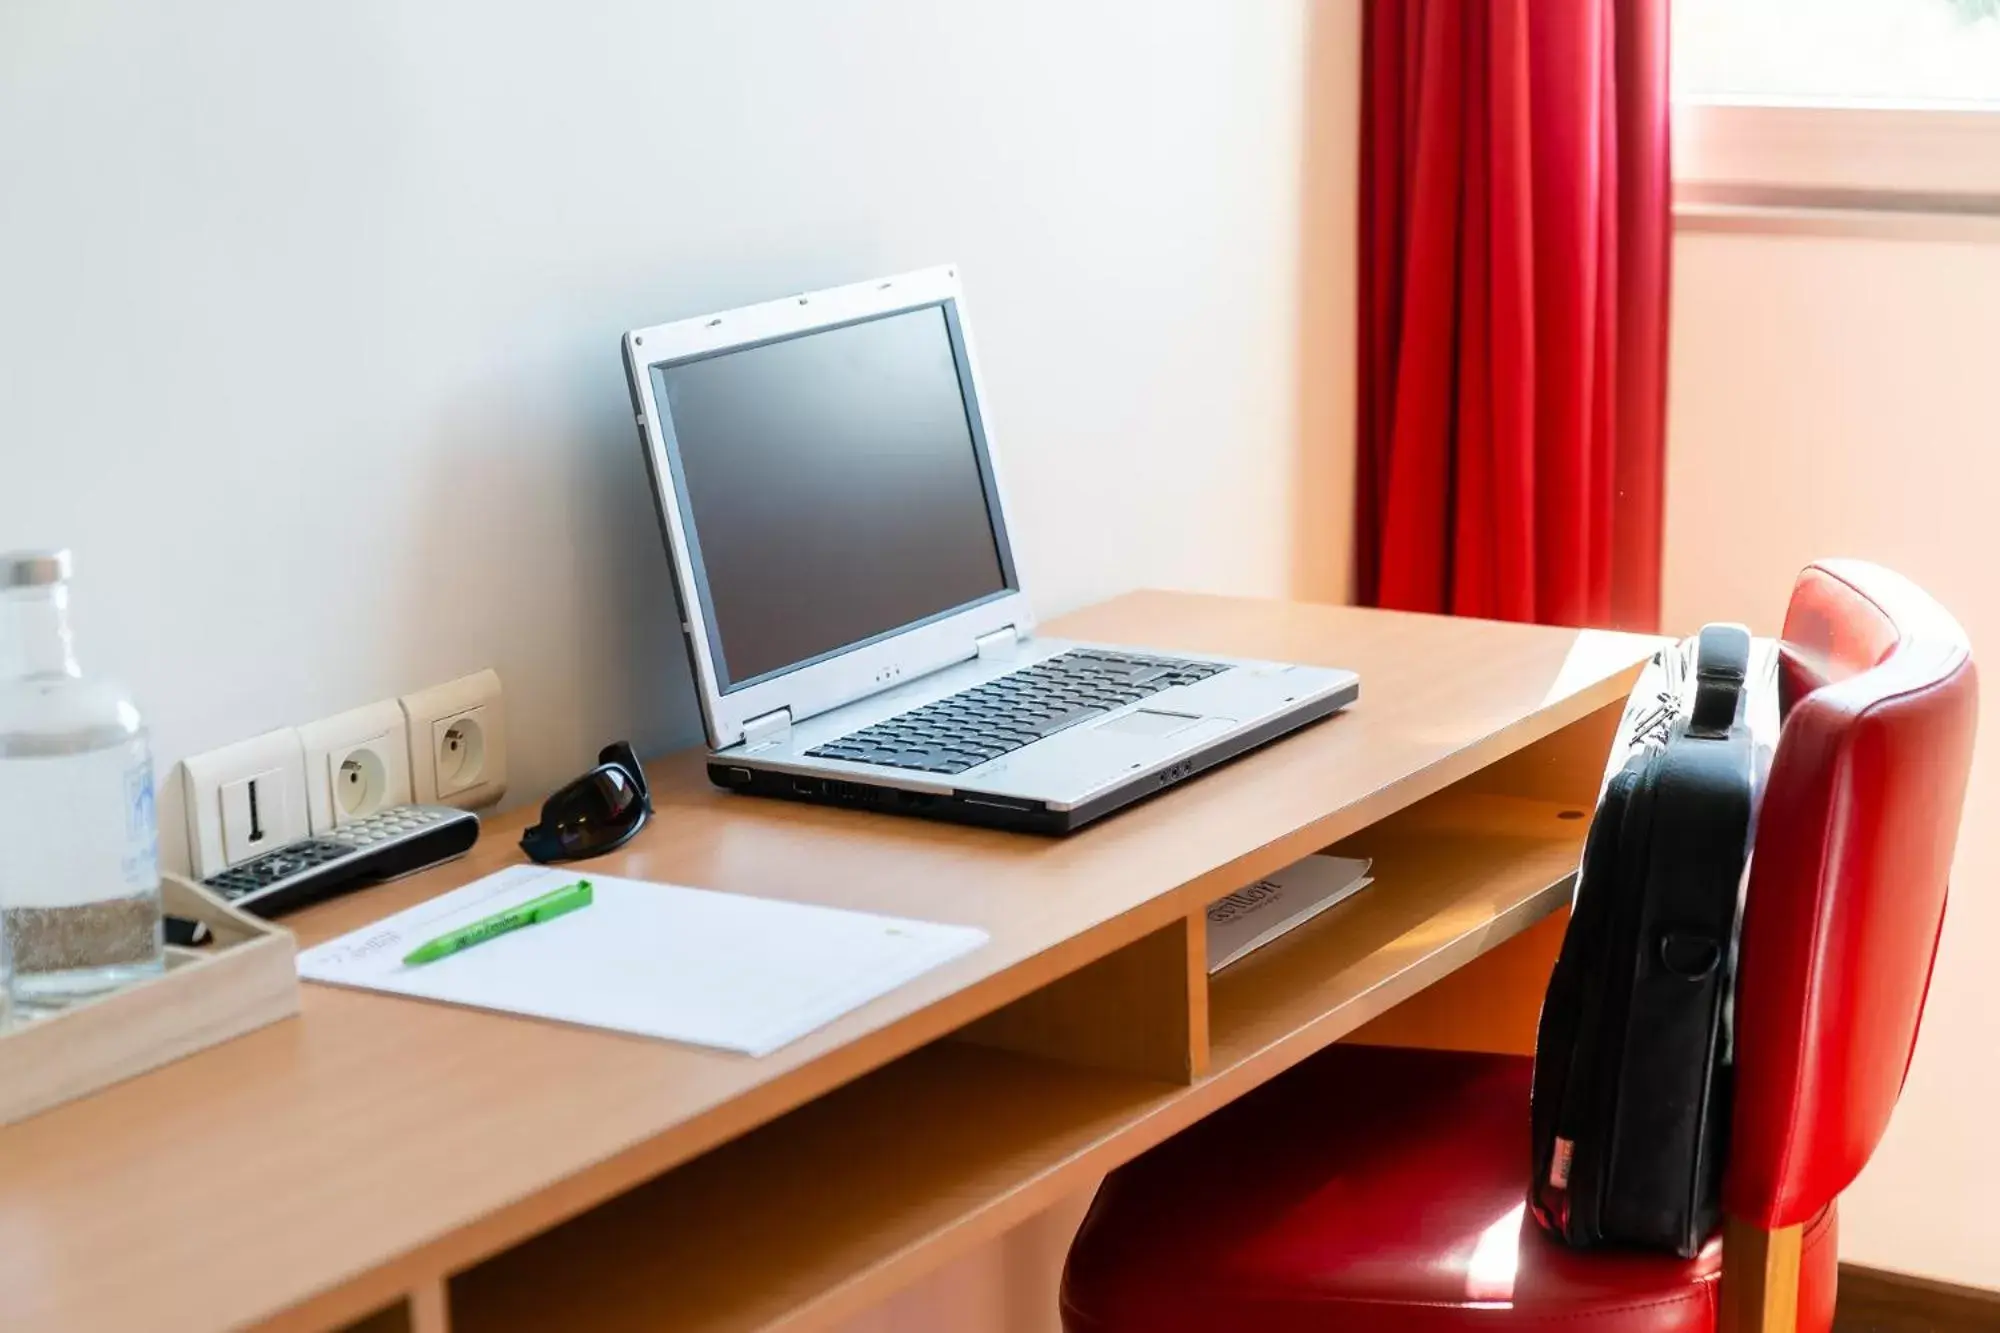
point(1913, 52)
point(1855, 104)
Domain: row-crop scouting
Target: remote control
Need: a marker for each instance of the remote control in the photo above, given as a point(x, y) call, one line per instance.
point(392, 842)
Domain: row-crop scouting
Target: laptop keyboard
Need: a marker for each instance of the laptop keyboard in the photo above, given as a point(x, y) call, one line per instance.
point(973, 726)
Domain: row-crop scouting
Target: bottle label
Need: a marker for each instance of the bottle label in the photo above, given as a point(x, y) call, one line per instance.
point(78, 827)
point(141, 862)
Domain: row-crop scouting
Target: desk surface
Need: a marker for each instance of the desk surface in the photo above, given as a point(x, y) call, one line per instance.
point(313, 1170)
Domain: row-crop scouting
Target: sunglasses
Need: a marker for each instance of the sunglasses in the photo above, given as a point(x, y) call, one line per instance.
point(596, 813)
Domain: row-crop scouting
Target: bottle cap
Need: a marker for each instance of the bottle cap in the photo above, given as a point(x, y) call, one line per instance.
point(33, 569)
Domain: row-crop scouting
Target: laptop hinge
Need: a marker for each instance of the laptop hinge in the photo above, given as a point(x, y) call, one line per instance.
point(770, 726)
point(999, 643)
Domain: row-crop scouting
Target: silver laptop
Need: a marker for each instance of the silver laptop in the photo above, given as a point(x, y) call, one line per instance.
point(847, 584)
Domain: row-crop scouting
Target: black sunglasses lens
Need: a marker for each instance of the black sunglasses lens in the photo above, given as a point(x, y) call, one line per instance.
point(621, 754)
point(608, 794)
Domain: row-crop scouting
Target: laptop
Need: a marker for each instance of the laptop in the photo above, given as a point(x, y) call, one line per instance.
point(847, 583)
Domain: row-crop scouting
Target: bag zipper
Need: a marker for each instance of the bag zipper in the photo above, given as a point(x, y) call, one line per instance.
point(1556, 1171)
point(1590, 1093)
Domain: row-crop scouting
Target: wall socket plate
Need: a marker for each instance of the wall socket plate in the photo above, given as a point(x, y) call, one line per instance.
point(244, 800)
point(458, 742)
point(357, 763)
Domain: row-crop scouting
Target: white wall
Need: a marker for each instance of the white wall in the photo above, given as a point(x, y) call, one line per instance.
point(308, 313)
point(1838, 397)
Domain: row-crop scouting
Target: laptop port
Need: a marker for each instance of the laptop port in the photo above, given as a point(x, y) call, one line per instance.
point(806, 786)
point(999, 802)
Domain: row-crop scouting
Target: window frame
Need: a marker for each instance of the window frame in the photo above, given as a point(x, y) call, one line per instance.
point(1942, 157)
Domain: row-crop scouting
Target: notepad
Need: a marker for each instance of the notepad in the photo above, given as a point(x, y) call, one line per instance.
point(1250, 918)
point(660, 960)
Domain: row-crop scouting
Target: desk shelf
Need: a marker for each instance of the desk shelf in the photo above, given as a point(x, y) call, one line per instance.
point(826, 1210)
point(1454, 876)
point(822, 1211)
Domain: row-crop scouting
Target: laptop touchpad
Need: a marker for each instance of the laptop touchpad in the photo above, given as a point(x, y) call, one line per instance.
point(1149, 722)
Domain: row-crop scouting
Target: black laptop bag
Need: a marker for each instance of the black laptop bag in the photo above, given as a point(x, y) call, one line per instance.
point(1632, 1066)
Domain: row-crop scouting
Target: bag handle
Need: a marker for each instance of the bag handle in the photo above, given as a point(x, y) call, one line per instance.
point(1721, 666)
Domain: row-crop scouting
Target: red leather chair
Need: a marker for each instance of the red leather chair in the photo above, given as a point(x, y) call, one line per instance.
point(1382, 1190)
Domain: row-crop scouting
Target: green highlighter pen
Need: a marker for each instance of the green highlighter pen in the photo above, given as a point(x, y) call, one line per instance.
point(547, 907)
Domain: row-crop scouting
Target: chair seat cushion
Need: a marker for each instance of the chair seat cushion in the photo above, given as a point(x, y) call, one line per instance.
point(1380, 1190)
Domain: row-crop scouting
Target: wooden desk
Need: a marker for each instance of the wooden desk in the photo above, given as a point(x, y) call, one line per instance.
point(363, 1154)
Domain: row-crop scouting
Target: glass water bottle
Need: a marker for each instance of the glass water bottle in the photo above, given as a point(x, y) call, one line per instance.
point(79, 839)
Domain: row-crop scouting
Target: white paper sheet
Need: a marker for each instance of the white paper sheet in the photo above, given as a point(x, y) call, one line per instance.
point(660, 960)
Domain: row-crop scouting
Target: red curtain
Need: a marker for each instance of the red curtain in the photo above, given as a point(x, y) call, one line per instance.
point(1515, 225)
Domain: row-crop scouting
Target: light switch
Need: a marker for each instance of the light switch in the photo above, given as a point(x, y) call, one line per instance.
point(254, 815)
point(244, 800)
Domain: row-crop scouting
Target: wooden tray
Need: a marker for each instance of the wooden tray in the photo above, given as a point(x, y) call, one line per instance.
point(243, 980)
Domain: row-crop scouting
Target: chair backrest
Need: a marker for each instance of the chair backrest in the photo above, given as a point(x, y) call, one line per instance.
point(1847, 884)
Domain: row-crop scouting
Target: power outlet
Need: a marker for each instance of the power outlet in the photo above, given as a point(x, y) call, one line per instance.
point(357, 763)
point(458, 742)
point(458, 751)
point(244, 799)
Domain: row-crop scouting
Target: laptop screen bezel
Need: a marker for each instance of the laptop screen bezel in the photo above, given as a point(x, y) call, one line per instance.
point(888, 656)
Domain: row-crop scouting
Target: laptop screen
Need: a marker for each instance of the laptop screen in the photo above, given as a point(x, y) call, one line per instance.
point(834, 488)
